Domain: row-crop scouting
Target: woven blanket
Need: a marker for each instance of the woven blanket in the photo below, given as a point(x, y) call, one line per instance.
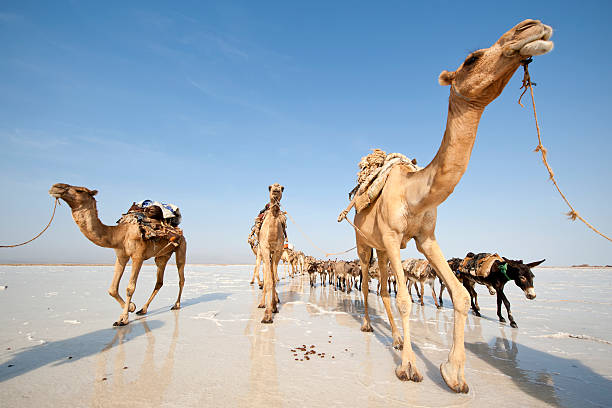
point(373, 173)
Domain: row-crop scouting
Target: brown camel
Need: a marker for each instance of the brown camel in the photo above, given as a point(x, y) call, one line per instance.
point(406, 207)
point(127, 241)
point(271, 239)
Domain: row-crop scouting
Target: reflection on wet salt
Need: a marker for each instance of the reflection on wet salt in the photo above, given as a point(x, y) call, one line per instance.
point(146, 382)
point(224, 356)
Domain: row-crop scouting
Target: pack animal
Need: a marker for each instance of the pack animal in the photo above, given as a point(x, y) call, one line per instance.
point(502, 272)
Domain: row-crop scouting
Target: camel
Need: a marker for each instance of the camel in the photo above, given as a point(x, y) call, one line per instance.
point(419, 271)
point(128, 243)
point(254, 247)
point(406, 207)
point(271, 238)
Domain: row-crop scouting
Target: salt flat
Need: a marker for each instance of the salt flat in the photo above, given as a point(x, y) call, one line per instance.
point(58, 346)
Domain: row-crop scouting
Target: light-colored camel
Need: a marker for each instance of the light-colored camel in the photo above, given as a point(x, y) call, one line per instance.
point(127, 241)
point(254, 248)
point(420, 271)
point(287, 258)
point(406, 207)
point(271, 239)
point(301, 262)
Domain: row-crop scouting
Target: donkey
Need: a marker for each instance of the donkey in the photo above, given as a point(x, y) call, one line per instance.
point(502, 272)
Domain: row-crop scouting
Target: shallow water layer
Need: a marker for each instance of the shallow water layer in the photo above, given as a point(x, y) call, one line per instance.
point(58, 346)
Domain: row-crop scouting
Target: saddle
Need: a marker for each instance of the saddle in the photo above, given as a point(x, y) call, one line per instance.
point(155, 221)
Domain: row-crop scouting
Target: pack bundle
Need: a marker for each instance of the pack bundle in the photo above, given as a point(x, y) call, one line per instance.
point(372, 176)
point(155, 220)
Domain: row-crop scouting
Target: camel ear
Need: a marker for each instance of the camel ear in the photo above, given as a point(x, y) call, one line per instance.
point(534, 264)
point(446, 78)
point(269, 188)
point(282, 188)
point(93, 192)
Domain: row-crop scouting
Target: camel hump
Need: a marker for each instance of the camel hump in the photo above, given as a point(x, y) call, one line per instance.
point(372, 176)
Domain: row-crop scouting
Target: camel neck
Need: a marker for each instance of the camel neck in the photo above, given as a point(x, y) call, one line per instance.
point(453, 156)
point(274, 208)
point(91, 226)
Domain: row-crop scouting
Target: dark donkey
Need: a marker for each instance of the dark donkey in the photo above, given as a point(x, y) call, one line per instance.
point(500, 274)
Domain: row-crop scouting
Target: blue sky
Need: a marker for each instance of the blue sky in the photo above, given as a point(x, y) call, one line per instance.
point(204, 104)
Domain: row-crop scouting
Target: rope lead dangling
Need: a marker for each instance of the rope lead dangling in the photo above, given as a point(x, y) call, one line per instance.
point(527, 84)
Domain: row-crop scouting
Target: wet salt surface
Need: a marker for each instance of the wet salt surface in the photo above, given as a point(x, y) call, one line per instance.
point(58, 346)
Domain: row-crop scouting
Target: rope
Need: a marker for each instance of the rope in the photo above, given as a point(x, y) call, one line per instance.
point(327, 254)
point(41, 232)
point(572, 214)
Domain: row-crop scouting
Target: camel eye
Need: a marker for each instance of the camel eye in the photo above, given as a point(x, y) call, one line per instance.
point(470, 60)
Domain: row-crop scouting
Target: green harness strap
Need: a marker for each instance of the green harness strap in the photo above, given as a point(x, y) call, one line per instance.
point(504, 268)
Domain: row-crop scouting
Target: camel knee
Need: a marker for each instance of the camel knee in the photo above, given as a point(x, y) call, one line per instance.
point(158, 285)
point(130, 289)
point(404, 305)
point(113, 292)
point(461, 300)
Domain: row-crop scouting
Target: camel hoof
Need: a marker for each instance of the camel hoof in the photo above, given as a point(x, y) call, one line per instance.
point(439, 306)
point(175, 307)
point(141, 312)
point(398, 342)
point(513, 324)
point(502, 320)
point(251, 282)
point(267, 319)
point(476, 313)
point(132, 307)
point(120, 322)
point(261, 306)
point(366, 327)
point(409, 373)
point(455, 385)
point(261, 286)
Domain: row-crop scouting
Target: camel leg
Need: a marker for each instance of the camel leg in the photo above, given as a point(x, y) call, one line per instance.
point(409, 291)
point(256, 270)
point(269, 281)
point(422, 294)
point(129, 291)
point(452, 370)
point(181, 257)
point(120, 264)
point(161, 262)
point(365, 253)
point(407, 370)
point(383, 260)
point(275, 299)
point(441, 290)
point(433, 293)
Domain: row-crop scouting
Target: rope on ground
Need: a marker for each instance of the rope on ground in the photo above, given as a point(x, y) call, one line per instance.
point(41, 232)
point(572, 214)
point(327, 254)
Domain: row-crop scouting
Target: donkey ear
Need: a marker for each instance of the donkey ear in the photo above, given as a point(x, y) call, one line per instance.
point(446, 77)
point(93, 192)
point(534, 264)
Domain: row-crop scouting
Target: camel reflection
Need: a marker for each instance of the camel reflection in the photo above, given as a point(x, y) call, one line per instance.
point(151, 382)
point(263, 376)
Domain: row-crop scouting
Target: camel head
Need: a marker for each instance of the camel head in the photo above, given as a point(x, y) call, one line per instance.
point(522, 275)
point(276, 192)
point(484, 73)
point(75, 197)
